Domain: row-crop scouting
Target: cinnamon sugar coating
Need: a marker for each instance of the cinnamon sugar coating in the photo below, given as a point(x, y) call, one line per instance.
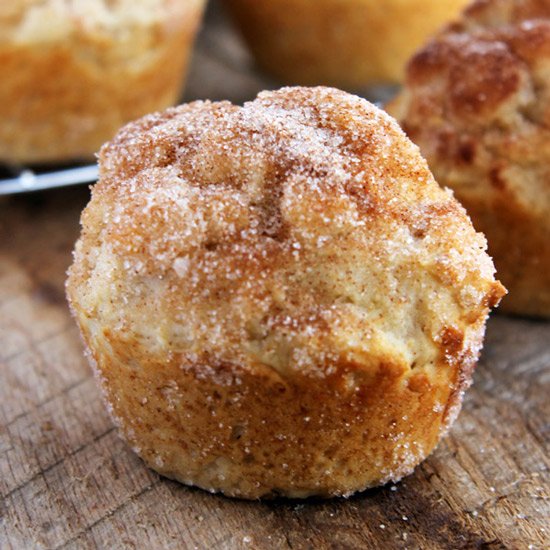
point(477, 102)
point(278, 298)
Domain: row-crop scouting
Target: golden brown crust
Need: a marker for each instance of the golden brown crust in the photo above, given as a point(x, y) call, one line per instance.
point(477, 102)
point(347, 43)
point(278, 297)
point(72, 74)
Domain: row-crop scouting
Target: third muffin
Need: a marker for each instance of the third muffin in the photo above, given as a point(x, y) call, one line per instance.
point(347, 43)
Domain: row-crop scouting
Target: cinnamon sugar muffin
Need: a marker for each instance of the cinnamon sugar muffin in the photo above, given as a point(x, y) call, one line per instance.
point(477, 102)
point(347, 43)
point(74, 71)
point(278, 299)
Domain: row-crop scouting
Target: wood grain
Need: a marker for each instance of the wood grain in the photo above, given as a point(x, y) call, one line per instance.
point(67, 481)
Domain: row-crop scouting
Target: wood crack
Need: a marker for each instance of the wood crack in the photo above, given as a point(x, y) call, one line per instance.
point(111, 513)
point(44, 471)
point(41, 404)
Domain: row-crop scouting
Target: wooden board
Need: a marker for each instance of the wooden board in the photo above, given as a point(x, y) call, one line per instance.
point(67, 481)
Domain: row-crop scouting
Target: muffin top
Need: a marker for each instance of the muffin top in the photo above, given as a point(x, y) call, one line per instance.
point(477, 100)
point(43, 21)
point(301, 232)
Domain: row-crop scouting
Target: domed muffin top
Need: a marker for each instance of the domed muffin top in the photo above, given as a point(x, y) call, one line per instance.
point(299, 233)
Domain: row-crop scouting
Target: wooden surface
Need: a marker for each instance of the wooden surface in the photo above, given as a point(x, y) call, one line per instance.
point(66, 480)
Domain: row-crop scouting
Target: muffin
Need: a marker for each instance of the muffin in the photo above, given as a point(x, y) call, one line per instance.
point(477, 102)
point(346, 43)
point(74, 72)
point(278, 299)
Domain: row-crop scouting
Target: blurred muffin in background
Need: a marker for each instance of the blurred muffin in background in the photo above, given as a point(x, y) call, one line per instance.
point(74, 71)
point(346, 43)
point(477, 102)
